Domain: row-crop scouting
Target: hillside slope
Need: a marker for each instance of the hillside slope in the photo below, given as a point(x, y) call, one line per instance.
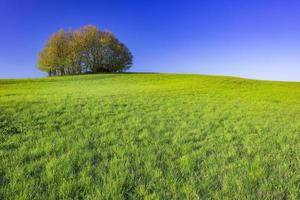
point(155, 136)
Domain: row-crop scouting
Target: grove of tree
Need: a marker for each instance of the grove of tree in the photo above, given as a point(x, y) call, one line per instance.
point(86, 50)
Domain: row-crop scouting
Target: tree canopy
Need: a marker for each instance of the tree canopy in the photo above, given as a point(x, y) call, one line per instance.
point(86, 50)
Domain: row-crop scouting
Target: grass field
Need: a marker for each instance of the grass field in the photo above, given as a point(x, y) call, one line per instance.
point(149, 136)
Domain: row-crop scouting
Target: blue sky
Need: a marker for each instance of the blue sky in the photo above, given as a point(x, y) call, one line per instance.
point(248, 38)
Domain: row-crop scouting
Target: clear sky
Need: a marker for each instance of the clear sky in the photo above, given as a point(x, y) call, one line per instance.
point(248, 38)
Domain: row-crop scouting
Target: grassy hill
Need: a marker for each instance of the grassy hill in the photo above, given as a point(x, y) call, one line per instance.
point(149, 136)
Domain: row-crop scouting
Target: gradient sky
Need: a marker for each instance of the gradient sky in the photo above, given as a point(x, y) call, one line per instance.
point(248, 38)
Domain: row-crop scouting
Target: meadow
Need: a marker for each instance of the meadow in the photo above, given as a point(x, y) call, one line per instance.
point(149, 136)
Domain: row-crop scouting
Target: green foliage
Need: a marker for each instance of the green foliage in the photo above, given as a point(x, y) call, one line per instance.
point(84, 50)
point(149, 136)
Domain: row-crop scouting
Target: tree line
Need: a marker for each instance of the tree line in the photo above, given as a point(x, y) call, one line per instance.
point(85, 50)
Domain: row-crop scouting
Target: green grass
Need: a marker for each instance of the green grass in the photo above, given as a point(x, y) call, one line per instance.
point(149, 136)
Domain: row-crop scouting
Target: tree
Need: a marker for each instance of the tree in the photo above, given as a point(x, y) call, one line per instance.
point(116, 56)
point(84, 50)
point(54, 57)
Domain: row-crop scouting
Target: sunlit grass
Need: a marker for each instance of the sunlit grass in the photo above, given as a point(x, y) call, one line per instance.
point(155, 136)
